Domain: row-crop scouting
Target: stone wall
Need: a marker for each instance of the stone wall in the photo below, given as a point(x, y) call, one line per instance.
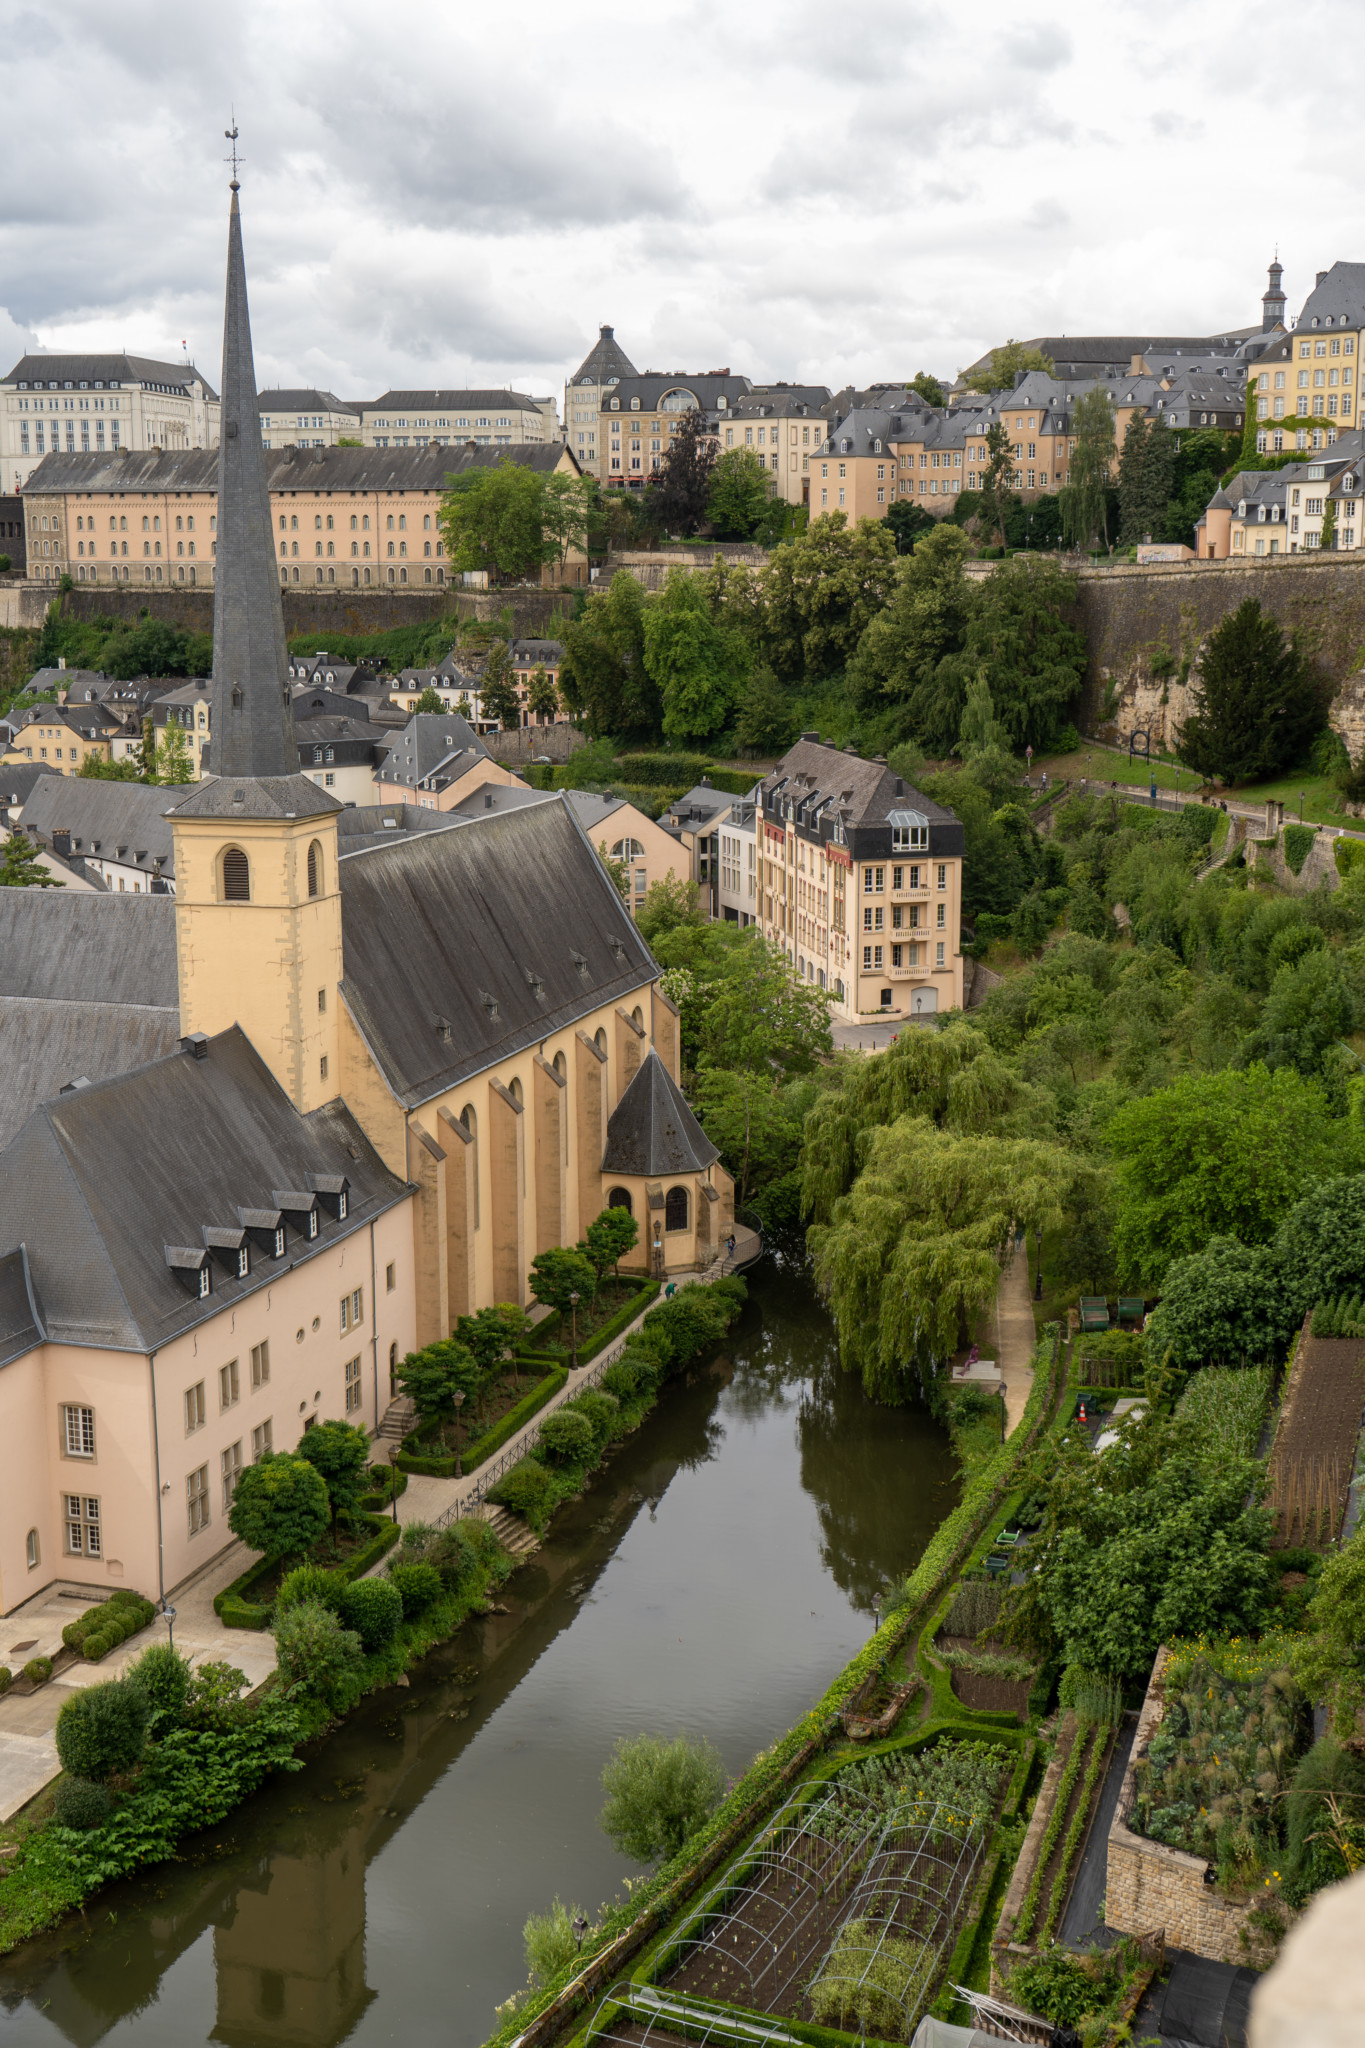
point(534, 613)
point(1318, 870)
point(1150, 1887)
point(536, 742)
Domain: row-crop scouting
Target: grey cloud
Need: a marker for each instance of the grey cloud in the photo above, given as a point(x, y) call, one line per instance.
point(1044, 48)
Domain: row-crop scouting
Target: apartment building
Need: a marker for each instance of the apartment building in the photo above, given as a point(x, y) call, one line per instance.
point(860, 883)
point(640, 416)
point(600, 371)
point(307, 419)
point(442, 419)
point(784, 425)
point(65, 736)
point(84, 404)
point(1284, 511)
point(353, 517)
point(737, 864)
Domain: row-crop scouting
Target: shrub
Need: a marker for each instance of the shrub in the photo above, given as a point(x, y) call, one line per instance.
point(215, 1698)
point(694, 1318)
point(566, 1438)
point(38, 1670)
point(1314, 1837)
point(418, 1587)
point(77, 1803)
point(527, 1490)
point(373, 1608)
point(308, 1582)
point(281, 1506)
point(164, 1676)
point(975, 1609)
point(600, 1410)
point(121, 1615)
point(317, 1656)
point(659, 1793)
point(550, 1941)
point(464, 1554)
point(623, 1377)
point(1298, 844)
point(6, 1678)
point(103, 1729)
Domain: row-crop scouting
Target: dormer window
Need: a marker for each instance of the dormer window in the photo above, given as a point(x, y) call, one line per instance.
point(909, 831)
point(341, 1205)
point(279, 1241)
point(243, 1262)
point(205, 1281)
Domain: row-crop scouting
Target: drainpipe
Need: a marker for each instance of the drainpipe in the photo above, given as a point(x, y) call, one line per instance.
point(156, 1457)
point(374, 1328)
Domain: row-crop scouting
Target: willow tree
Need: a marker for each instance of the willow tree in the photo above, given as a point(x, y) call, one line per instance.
point(912, 1253)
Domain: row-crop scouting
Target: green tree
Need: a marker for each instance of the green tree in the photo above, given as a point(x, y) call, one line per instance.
point(823, 588)
point(617, 869)
point(609, 1237)
point(683, 486)
point(20, 867)
point(429, 702)
point(93, 769)
point(997, 479)
point(1001, 373)
point(1085, 500)
point(603, 674)
point(668, 903)
point(542, 698)
point(102, 1729)
point(1223, 1306)
point(280, 1505)
point(494, 519)
point(754, 1121)
point(317, 1657)
point(567, 505)
point(695, 664)
point(979, 728)
point(659, 1793)
point(1329, 1658)
point(174, 762)
point(908, 523)
point(902, 652)
point(1257, 701)
point(929, 389)
point(766, 723)
point(1307, 1014)
point(740, 493)
point(560, 1272)
point(1146, 473)
point(1214, 1155)
point(1328, 536)
point(341, 1453)
point(491, 1335)
point(762, 1020)
point(498, 694)
point(432, 1377)
point(1022, 636)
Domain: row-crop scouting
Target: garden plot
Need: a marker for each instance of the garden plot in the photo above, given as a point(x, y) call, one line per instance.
point(848, 1903)
point(1315, 1445)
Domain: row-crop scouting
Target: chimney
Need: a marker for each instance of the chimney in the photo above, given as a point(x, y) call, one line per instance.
point(195, 1042)
point(1322, 279)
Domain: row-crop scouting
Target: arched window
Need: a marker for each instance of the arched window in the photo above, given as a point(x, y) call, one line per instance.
point(600, 1039)
point(561, 1066)
point(514, 1089)
point(675, 1209)
point(314, 869)
point(619, 1198)
point(637, 1016)
point(470, 1120)
point(236, 876)
point(31, 1548)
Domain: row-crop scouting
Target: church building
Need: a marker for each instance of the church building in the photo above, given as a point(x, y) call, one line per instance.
point(266, 1136)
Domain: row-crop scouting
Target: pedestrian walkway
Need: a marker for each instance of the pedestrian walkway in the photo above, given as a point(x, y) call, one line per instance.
point(1014, 1336)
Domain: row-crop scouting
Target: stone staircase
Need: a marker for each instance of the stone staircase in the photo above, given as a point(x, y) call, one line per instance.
point(513, 1534)
point(399, 1418)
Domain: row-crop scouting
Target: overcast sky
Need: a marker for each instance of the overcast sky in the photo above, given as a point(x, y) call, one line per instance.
point(446, 195)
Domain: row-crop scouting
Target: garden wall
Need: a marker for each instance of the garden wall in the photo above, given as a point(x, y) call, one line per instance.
point(1319, 868)
point(1150, 1887)
point(536, 614)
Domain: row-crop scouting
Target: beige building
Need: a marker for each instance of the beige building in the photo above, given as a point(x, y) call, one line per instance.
point(307, 419)
point(860, 884)
point(89, 404)
point(436, 763)
point(443, 419)
point(640, 415)
point(348, 517)
point(585, 393)
point(785, 426)
point(60, 735)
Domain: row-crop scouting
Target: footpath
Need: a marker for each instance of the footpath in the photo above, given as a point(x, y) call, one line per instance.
point(1014, 1336)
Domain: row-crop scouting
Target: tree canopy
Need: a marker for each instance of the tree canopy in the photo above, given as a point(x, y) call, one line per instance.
point(1001, 371)
point(740, 494)
point(1257, 701)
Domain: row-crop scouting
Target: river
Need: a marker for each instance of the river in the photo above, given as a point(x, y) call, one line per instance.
point(715, 1578)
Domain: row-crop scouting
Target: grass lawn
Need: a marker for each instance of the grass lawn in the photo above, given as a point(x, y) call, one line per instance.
point(1321, 798)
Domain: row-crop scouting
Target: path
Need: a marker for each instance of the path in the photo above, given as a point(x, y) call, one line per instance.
point(1014, 1336)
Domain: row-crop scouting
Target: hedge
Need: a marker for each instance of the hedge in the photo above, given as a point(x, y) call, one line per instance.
point(493, 1438)
point(645, 1292)
point(236, 1609)
point(684, 771)
point(1298, 844)
point(102, 1628)
point(663, 1895)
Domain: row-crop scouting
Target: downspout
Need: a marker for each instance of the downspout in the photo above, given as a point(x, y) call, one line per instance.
point(374, 1328)
point(156, 1456)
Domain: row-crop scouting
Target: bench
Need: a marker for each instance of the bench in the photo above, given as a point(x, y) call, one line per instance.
point(1094, 1312)
point(1132, 1308)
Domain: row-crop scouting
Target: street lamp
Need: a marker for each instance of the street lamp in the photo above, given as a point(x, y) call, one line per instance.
point(395, 1452)
point(1004, 1411)
point(580, 1928)
point(169, 1613)
point(459, 1400)
point(876, 1610)
point(573, 1312)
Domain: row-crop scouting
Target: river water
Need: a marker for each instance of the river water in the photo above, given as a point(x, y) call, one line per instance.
point(714, 1578)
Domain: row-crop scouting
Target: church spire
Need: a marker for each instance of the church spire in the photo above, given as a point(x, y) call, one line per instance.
point(253, 719)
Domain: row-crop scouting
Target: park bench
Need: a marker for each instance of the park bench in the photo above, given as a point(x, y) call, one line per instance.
point(1132, 1308)
point(1094, 1312)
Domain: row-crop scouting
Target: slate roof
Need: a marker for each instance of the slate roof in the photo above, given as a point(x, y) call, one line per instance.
point(527, 653)
point(432, 745)
point(287, 469)
point(117, 820)
point(605, 359)
point(17, 779)
point(302, 401)
point(63, 944)
point(448, 401)
point(362, 825)
point(463, 947)
point(101, 1181)
point(822, 784)
point(46, 1044)
point(1340, 297)
point(20, 1315)
point(272, 796)
point(40, 371)
point(651, 387)
point(652, 1131)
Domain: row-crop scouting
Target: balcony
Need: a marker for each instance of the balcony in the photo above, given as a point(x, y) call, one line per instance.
point(909, 895)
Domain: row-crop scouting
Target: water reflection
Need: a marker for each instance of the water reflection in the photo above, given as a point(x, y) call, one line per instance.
point(715, 1577)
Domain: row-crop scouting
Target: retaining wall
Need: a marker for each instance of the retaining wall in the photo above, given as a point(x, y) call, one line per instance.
point(536, 613)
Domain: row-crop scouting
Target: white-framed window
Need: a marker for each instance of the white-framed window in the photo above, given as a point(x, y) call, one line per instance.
point(352, 1310)
point(196, 1408)
point(229, 1385)
point(262, 1440)
point(942, 875)
point(78, 1432)
point(279, 1242)
point(231, 1462)
point(33, 1550)
point(260, 1364)
point(197, 1499)
point(942, 917)
point(352, 1385)
point(867, 958)
point(939, 954)
point(81, 1517)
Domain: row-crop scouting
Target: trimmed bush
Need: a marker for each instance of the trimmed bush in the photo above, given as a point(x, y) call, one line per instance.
point(309, 1582)
point(6, 1678)
point(317, 1657)
point(99, 1645)
point(373, 1608)
point(566, 1438)
point(164, 1676)
point(419, 1587)
point(38, 1670)
point(121, 1615)
point(601, 1411)
point(1298, 844)
point(77, 1803)
point(103, 1729)
point(526, 1490)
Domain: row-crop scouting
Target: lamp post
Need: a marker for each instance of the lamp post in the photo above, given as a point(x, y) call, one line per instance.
point(459, 1399)
point(395, 1450)
point(580, 1928)
point(1038, 1260)
point(169, 1613)
point(1004, 1411)
point(573, 1350)
point(876, 1610)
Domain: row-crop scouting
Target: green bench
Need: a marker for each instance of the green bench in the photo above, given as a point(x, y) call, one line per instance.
point(1132, 1308)
point(1094, 1312)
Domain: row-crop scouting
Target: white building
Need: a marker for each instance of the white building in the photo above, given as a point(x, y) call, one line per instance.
point(307, 419)
point(417, 419)
point(86, 404)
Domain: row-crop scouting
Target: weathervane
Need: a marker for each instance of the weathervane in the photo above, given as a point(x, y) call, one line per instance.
point(234, 159)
